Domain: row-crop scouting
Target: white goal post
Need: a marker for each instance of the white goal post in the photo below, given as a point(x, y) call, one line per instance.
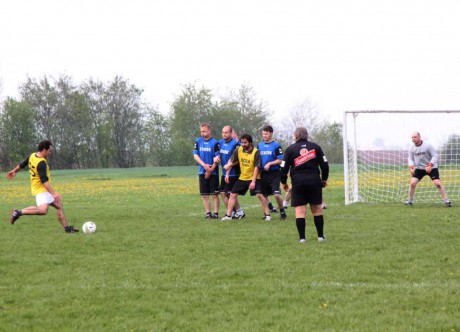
point(375, 150)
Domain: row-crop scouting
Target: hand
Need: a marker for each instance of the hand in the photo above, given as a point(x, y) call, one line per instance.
point(11, 174)
point(286, 187)
point(252, 186)
point(428, 168)
point(411, 170)
point(324, 183)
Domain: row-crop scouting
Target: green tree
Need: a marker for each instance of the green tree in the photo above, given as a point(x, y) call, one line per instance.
point(18, 132)
point(191, 108)
point(158, 138)
point(329, 137)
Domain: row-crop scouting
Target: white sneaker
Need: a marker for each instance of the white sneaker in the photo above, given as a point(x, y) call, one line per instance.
point(321, 239)
point(267, 218)
point(323, 206)
point(226, 218)
point(302, 241)
point(285, 205)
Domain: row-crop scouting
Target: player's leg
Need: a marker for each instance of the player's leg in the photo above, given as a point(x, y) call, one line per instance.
point(413, 184)
point(287, 198)
point(315, 198)
point(442, 192)
point(205, 192)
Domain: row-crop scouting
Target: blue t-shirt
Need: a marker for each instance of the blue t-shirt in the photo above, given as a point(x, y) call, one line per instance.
point(270, 152)
point(226, 151)
point(207, 150)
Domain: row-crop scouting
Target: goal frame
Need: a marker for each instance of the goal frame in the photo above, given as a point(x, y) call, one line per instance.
point(352, 193)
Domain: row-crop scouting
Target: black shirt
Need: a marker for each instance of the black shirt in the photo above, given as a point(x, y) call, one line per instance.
point(304, 160)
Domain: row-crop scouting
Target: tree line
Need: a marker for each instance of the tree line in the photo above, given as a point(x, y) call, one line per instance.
point(97, 124)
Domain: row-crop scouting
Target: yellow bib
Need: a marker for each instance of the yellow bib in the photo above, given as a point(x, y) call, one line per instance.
point(36, 184)
point(246, 161)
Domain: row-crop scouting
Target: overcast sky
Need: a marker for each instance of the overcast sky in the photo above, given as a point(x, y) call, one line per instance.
point(342, 55)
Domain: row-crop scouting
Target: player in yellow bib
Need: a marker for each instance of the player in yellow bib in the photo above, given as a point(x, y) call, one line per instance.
point(40, 178)
point(248, 158)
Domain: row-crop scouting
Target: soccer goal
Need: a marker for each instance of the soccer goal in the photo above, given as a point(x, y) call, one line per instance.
point(375, 148)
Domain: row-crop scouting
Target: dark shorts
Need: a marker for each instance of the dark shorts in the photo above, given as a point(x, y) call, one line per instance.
point(209, 186)
point(307, 194)
point(241, 187)
point(227, 187)
point(420, 173)
point(271, 183)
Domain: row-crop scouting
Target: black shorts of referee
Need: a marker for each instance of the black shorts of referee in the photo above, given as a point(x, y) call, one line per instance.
point(304, 194)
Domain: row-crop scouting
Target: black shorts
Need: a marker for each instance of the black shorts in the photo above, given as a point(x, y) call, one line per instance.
point(209, 186)
point(307, 194)
point(271, 183)
point(420, 173)
point(227, 187)
point(241, 187)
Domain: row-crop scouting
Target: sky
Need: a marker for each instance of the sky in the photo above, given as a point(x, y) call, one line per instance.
point(339, 54)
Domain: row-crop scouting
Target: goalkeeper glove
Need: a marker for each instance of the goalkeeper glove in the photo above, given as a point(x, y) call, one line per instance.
point(411, 170)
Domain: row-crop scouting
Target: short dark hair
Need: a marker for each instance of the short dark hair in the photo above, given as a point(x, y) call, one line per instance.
point(268, 128)
point(44, 145)
point(246, 137)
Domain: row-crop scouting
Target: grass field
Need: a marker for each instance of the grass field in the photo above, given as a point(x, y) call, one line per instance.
point(155, 264)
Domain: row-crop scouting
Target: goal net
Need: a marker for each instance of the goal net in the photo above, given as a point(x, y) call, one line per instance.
point(376, 146)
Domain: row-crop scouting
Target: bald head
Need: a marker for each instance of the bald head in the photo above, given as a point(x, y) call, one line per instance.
point(416, 139)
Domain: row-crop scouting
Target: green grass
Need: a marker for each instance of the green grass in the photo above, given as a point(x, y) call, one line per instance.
point(155, 264)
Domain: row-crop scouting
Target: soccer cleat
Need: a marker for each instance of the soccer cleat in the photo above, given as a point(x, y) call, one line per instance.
point(215, 215)
point(274, 210)
point(239, 216)
point(225, 218)
point(70, 229)
point(448, 204)
point(323, 206)
point(15, 214)
point(408, 203)
point(285, 205)
point(267, 217)
point(321, 239)
point(302, 241)
point(283, 215)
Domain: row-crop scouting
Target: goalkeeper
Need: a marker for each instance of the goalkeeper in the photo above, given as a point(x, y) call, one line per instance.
point(423, 160)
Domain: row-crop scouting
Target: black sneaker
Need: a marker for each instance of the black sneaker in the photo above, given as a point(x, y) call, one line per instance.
point(448, 204)
point(283, 215)
point(215, 215)
point(70, 229)
point(15, 214)
point(208, 215)
point(274, 210)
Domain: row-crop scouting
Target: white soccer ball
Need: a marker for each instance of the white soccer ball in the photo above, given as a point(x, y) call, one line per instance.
point(89, 227)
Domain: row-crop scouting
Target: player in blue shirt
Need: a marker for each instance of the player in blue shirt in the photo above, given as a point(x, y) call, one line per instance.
point(227, 145)
point(205, 154)
point(271, 156)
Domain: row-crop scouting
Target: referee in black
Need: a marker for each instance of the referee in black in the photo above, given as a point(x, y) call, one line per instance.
point(304, 160)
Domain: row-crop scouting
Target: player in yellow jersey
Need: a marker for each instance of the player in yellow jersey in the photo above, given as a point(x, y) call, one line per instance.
point(248, 158)
point(40, 177)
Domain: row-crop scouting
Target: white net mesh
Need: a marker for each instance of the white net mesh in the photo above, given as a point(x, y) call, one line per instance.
point(376, 145)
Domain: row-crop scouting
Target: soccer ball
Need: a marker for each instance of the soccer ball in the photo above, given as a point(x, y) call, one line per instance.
point(89, 227)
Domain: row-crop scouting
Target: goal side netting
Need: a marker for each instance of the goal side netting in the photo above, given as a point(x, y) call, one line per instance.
point(376, 146)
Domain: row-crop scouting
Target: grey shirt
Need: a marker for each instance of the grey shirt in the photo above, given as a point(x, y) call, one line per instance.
point(422, 155)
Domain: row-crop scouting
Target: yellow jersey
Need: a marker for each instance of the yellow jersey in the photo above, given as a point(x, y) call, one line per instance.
point(36, 184)
point(248, 161)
